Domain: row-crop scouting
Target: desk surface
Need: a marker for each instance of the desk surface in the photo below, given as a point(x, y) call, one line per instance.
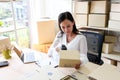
point(17, 70)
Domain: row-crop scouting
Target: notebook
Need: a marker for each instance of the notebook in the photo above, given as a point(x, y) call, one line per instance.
point(26, 55)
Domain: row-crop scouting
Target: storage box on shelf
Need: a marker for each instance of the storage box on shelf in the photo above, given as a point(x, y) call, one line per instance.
point(114, 21)
point(108, 44)
point(107, 47)
point(98, 16)
point(114, 24)
point(81, 13)
point(82, 7)
point(97, 20)
point(99, 7)
point(115, 7)
point(115, 16)
point(110, 39)
point(81, 19)
point(118, 65)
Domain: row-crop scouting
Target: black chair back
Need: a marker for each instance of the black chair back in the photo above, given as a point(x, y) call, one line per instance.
point(94, 42)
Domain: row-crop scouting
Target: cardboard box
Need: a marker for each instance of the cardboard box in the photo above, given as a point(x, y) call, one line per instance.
point(114, 16)
point(110, 39)
point(82, 7)
point(115, 7)
point(81, 19)
point(109, 61)
point(114, 24)
point(107, 47)
point(69, 58)
point(41, 47)
point(46, 31)
point(105, 72)
point(99, 7)
point(118, 65)
point(97, 20)
point(4, 42)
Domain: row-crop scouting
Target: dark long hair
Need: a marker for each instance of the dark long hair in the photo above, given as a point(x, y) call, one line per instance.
point(67, 15)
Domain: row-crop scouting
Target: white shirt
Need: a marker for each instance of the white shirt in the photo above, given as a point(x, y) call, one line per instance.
point(78, 43)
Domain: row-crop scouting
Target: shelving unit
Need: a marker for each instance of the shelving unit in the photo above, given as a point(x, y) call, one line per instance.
point(114, 55)
point(84, 12)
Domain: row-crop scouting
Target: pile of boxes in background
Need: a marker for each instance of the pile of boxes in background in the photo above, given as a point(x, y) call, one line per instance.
point(108, 48)
point(108, 45)
point(46, 34)
point(81, 13)
point(114, 21)
point(93, 13)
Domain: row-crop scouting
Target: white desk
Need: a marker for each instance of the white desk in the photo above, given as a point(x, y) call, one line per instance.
point(17, 69)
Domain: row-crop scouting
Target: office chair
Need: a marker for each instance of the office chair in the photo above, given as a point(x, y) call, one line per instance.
point(94, 42)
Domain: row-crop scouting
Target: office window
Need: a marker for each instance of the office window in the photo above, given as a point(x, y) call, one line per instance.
point(14, 21)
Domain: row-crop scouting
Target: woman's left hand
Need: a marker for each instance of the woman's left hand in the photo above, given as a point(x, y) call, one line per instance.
point(77, 66)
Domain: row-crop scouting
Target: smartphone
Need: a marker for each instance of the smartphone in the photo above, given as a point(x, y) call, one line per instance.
point(4, 63)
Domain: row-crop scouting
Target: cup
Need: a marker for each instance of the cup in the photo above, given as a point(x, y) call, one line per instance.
point(6, 53)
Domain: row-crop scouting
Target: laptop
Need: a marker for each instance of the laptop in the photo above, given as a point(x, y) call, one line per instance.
point(26, 55)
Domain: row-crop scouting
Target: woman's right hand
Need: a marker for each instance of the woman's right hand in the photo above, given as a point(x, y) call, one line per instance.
point(57, 49)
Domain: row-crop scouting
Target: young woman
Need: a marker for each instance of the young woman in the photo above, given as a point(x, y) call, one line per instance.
point(70, 37)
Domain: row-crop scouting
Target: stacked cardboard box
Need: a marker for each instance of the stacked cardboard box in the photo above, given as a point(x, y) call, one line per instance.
point(98, 13)
point(118, 65)
point(82, 10)
point(46, 35)
point(41, 47)
point(4, 42)
point(114, 21)
point(108, 44)
point(97, 20)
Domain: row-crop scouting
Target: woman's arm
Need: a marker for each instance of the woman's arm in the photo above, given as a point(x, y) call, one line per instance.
point(83, 50)
point(54, 45)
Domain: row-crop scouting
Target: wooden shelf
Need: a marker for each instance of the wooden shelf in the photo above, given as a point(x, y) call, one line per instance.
point(99, 28)
point(113, 55)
